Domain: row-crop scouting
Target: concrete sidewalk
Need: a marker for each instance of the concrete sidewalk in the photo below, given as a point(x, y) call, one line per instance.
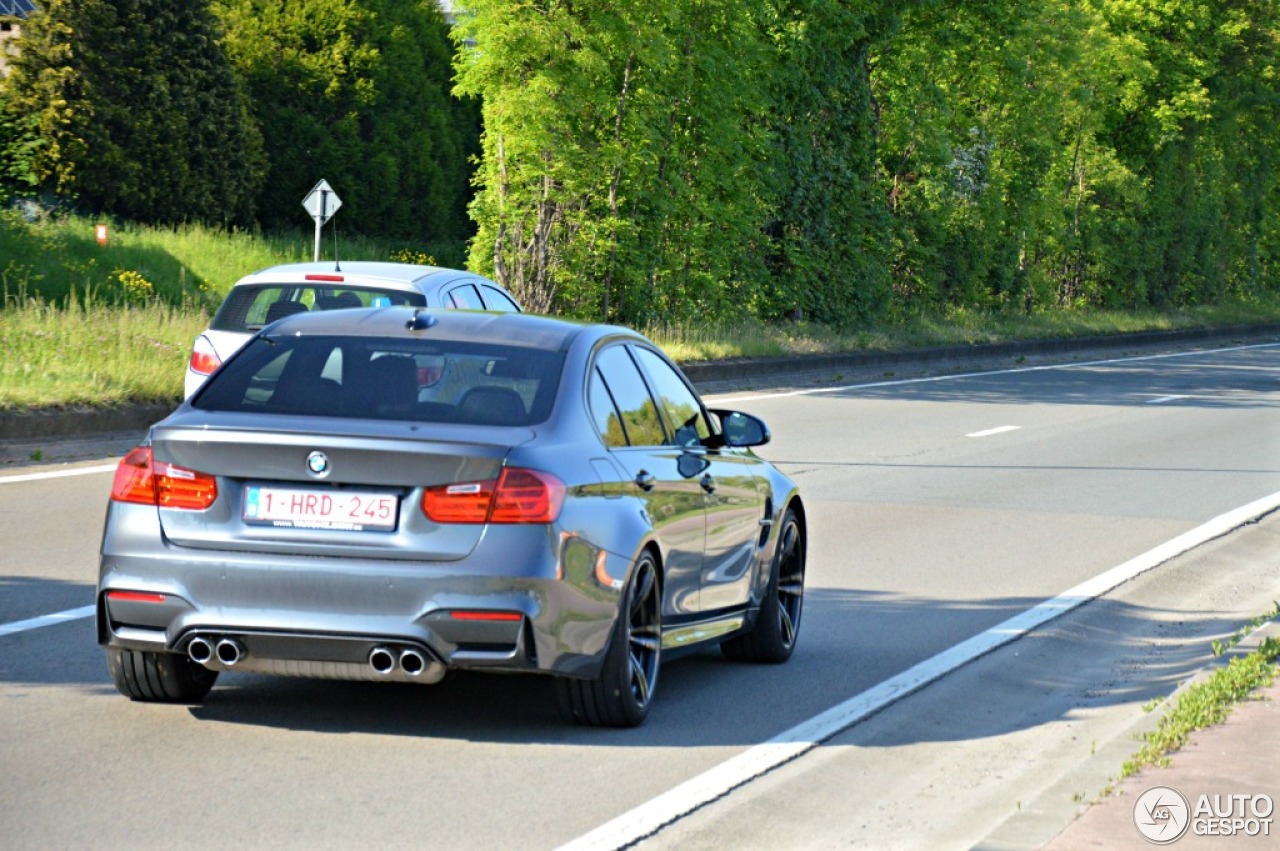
point(1222, 776)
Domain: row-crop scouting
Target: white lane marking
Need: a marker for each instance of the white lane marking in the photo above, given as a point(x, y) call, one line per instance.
point(1163, 399)
point(991, 431)
point(652, 816)
point(812, 391)
point(57, 474)
point(47, 620)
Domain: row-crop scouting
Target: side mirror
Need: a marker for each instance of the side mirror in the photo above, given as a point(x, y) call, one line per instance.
point(739, 430)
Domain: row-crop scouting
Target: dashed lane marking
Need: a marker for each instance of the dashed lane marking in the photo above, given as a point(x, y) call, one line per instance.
point(991, 431)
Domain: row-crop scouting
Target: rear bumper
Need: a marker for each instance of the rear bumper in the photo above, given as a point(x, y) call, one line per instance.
point(550, 611)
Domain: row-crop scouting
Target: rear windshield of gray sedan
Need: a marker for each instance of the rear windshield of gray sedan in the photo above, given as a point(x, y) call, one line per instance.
point(378, 378)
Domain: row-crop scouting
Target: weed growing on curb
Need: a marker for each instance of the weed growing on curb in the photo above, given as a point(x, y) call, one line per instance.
point(1207, 703)
point(1219, 648)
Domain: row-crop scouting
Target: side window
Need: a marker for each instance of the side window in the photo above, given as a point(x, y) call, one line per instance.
point(496, 299)
point(679, 405)
point(607, 419)
point(635, 405)
point(465, 297)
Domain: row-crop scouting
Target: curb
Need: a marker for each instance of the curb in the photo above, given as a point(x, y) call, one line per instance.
point(1041, 821)
point(77, 420)
point(737, 368)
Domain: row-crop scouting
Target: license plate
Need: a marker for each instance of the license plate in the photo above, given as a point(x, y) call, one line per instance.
point(300, 508)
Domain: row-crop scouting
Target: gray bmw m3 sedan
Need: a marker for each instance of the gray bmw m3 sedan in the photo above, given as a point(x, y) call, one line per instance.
point(387, 494)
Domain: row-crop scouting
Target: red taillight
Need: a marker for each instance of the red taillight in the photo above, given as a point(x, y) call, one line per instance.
point(527, 496)
point(139, 479)
point(133, 481)
point(177, 487)
point(337, 279)
point(464, 503)
point(136, 597)
point(204, 359)
point(517, 496)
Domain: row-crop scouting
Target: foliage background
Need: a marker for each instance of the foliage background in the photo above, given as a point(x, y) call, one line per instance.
point(841, 161)
point(849, 161)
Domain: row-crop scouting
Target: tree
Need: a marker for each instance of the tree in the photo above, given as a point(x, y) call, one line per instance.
point(828, 251)
point(1202, 130)
point(18, 145)
point(641, 162)
point(357, 92)
point(137, 110)
point(1063, 153)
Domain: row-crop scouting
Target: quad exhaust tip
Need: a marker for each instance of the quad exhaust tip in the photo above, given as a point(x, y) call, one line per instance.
point(382, 660)
point(412, 662)
point(229, 651)
point(200, 650)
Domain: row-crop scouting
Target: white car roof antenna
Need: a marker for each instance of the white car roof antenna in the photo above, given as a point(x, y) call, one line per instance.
point(337, 267)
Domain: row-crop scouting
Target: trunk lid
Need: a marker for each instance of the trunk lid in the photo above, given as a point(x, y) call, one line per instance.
point(327, 486)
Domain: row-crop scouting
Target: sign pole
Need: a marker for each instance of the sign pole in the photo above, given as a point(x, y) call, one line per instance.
point(320, 220)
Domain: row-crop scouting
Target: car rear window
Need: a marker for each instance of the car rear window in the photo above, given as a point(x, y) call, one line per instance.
point(253, 306)
point(375, 378)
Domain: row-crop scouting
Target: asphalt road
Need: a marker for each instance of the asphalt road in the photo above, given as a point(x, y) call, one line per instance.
point(940, 508)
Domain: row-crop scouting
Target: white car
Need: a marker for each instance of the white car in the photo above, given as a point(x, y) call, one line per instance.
point(261, 298)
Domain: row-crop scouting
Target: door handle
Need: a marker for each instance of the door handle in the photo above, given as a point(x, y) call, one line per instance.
point(708, 483)
point(645, 480)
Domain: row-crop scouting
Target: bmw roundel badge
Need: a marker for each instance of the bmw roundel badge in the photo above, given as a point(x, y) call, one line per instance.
point(318, 464)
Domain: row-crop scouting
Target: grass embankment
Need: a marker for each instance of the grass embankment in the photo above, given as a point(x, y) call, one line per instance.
point(91, 324)
point(89, 353)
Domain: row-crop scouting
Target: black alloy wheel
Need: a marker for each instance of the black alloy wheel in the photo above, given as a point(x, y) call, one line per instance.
point(622, 694)
point(773, 638)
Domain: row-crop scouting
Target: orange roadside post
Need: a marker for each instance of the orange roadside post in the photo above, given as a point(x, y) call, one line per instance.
point(100, 231)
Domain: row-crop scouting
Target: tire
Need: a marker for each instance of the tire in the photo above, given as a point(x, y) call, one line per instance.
point(773, 637)
point(622, 694)
point(158, 677)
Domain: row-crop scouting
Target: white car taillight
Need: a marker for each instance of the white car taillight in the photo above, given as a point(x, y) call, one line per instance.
point(204, 359)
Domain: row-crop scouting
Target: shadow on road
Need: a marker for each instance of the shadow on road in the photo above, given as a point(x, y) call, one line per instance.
point(851, 641)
